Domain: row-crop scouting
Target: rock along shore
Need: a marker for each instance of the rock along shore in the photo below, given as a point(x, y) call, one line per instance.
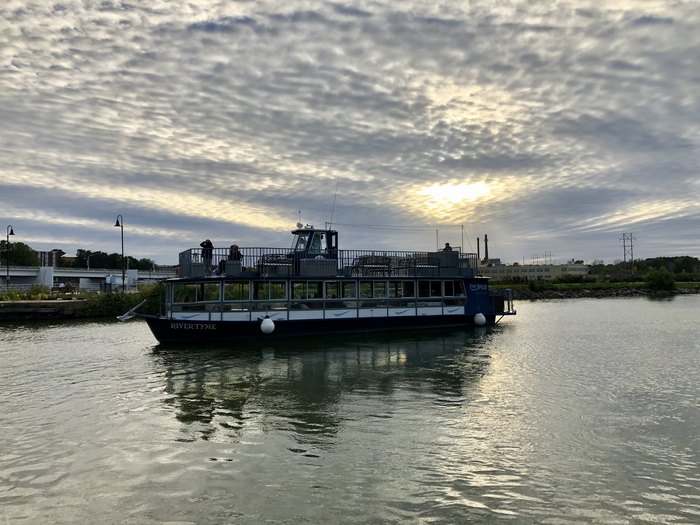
point(579, 293)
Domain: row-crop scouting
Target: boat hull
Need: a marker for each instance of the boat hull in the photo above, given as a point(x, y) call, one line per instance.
point(177, 331)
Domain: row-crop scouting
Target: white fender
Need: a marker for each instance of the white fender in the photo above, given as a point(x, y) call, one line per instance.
point(267, 326)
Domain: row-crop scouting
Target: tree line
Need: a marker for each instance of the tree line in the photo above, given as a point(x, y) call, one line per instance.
point(682, 268)
point(21, 254)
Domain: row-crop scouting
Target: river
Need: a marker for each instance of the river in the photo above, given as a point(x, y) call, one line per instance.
point(578, 411)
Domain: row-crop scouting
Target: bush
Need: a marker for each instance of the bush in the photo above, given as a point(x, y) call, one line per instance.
point(660, 280)
point(11, 295)
point(38, 292)
point(118, 303)
point(538, 285)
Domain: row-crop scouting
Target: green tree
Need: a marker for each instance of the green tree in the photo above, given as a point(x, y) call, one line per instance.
point(19, 254)
point(145, 264)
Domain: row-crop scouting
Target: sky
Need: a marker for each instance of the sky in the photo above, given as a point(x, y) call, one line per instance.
point(552, 127)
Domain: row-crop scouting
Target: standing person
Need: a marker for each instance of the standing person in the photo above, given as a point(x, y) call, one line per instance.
point(207, 254)
point(234, 254)
point(447, 247)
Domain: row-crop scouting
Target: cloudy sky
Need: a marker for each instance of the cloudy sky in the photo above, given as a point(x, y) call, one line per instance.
point(553, 127)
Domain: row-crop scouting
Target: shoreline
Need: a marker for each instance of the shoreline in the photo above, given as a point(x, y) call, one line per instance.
point(526, 294)
point(57, 309)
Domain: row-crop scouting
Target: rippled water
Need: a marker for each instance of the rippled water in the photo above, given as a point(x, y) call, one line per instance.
point(581, 411)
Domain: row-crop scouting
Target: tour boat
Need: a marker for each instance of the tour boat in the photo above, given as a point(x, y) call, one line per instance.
point(315, 288)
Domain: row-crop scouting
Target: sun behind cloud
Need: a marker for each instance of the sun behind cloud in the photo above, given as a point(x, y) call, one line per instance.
point(450, 194)
point(441, 201)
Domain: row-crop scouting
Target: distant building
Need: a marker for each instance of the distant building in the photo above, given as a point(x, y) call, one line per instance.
point(48, 259)
point(532, 272)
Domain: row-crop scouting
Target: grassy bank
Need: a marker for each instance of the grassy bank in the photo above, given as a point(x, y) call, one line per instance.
point(40, 303)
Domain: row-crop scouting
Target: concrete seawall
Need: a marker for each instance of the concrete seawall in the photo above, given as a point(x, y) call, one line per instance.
point(40, 310)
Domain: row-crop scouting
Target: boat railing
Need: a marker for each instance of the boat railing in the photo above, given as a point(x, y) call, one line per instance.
point(502, 301)
point(347, 263)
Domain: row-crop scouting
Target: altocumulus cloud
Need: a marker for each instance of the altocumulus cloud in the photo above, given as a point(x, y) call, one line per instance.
point(550, 126)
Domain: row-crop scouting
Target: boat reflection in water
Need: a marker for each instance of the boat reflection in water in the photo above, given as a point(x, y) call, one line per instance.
point(309, 388)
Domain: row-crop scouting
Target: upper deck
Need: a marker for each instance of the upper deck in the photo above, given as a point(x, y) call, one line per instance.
point(315, 253)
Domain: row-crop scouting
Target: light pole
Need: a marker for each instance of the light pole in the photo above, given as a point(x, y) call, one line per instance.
point(88, 261)
point(10, 231)
point(120, 224)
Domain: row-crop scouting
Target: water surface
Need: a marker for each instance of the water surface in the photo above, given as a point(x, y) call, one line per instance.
point(580, 411)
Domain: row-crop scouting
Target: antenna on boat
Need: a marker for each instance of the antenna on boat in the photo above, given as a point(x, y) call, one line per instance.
point(330, 224)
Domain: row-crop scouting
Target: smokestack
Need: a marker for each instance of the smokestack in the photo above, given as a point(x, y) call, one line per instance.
point(478, 249)
point(486, 247)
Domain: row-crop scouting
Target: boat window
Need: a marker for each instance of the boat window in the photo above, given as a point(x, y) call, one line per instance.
point(195, 292)
point(454, 288)
point(210, 291)
point(269, 290)
point(315, 289)
point(400, 293)
point(379, 289)
point(307, 289)
point(316, 244)
point(349, 290)
point(423, 288)
point(185, 293)
point(449, 288)
point(399, 289)
point(298, 290)
point(300, 241)
point(394, 289)
point(365, 289)
point(332, 290)
point(333, 296)
point(237, 291)
point(429, 288)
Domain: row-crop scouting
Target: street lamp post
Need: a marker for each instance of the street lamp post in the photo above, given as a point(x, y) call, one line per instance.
point(120, 224)
point(10, 231)
point(88, 261)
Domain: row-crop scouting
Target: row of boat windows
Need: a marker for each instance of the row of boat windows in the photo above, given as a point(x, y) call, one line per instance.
point(314, 290)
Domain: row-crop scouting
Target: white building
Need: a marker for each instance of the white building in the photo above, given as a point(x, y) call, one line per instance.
point(532, 272)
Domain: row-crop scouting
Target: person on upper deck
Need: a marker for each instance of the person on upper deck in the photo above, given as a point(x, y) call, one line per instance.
point(207, 254)
point(234, 254)
point(447, 247)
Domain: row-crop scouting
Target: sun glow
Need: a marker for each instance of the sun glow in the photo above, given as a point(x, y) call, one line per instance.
point(455, 193)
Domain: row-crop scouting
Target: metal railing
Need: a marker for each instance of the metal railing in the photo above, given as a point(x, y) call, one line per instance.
point(502, 302)
point(348, 263)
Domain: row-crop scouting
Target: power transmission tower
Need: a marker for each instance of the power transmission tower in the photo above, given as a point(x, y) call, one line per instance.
point(627, 250)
